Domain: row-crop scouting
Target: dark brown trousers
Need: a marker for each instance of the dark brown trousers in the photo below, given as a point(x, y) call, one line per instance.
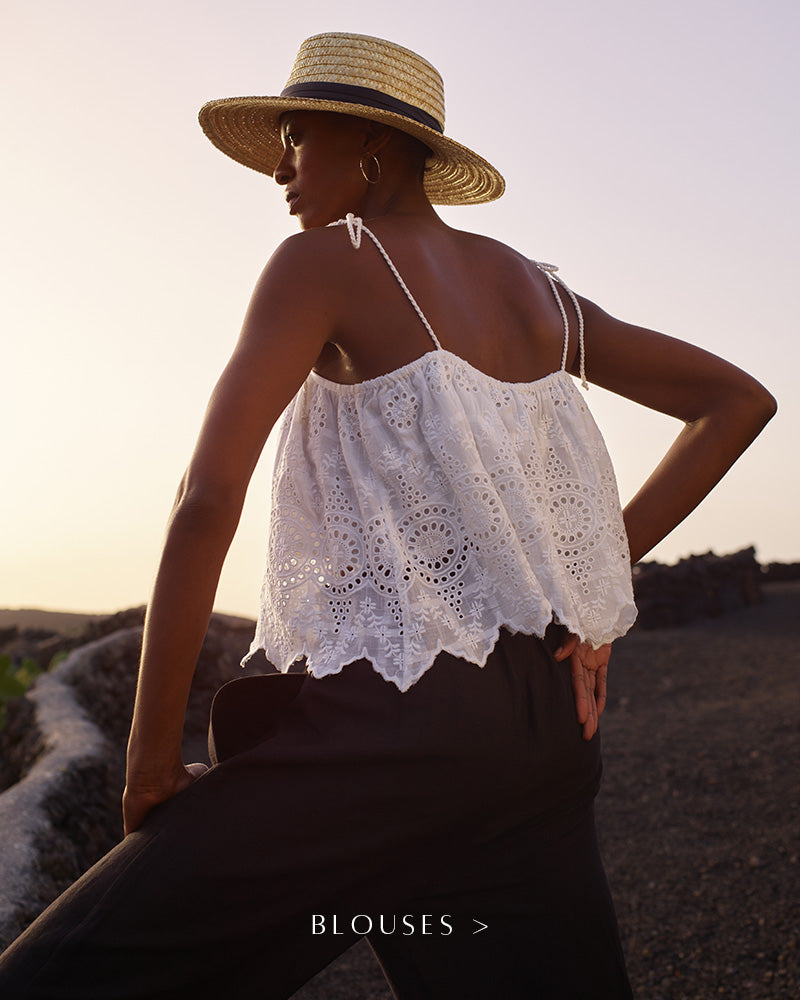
point(415, 818)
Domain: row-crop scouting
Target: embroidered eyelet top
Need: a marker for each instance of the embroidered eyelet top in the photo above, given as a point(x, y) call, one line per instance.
point(423, 510)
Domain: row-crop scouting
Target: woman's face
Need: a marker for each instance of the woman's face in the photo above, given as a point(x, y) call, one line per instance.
point(320, 165)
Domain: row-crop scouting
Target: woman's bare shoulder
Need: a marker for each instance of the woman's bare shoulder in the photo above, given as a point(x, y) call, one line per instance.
point(296, 264)
point(497, 255)
point(310, 247)
point(479, 243)
point(509, 273)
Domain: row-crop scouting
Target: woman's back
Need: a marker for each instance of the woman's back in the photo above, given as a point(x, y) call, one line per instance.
point(484, 301)
point(420, 501)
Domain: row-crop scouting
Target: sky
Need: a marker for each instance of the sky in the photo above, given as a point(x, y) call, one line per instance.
point(650, 150)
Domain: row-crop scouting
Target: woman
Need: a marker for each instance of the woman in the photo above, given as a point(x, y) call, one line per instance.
point(441, 496)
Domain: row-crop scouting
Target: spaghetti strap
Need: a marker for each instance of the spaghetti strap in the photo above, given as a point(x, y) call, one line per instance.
point(550, 272)
point(355, 227)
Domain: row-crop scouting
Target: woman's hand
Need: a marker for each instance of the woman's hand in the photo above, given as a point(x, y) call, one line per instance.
point(139, 798)
point(589, 669)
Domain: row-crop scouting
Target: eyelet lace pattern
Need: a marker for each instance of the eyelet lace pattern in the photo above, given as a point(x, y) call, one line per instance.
point(423, 510)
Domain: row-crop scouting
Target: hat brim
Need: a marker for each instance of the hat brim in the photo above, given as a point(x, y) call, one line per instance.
point(248, 130)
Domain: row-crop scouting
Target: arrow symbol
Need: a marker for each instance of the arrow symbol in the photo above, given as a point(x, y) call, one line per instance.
point(481, 927)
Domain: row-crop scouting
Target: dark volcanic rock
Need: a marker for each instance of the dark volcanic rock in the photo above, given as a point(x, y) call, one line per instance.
point(41, 645)
point(8, 634)
point(129, 618)
point(63, 753)
point(696, 588)
point(20, 741)
point(776, 572)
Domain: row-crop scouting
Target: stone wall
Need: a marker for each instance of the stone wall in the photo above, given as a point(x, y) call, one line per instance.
point(703, 586)
point(63, 758)
point(778, 572)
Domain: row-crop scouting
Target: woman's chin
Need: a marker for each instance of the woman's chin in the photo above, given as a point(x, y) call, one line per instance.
point(310, 221)
point(309, 218)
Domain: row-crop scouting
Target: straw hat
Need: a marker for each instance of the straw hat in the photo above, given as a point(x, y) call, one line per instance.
point(369, 78)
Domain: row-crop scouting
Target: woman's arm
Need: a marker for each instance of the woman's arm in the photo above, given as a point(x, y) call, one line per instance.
point(285, 328)
point(723, 410)
point(722, 407)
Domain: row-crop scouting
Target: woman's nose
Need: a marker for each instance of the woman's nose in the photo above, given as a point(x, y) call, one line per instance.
point(283, 171)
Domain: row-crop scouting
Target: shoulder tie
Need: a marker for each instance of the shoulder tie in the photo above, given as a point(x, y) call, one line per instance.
point(355, 227)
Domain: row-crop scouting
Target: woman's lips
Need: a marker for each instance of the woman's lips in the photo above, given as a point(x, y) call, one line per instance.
point(291, 198)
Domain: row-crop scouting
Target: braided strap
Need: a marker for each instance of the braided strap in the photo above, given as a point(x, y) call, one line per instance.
point(355, 227)
point(550, 272)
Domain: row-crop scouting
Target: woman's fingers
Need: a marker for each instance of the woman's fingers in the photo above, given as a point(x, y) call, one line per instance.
point(567, 647)
point(589, 675)
point(137, 801)
point(583, 691)
point(600, 688)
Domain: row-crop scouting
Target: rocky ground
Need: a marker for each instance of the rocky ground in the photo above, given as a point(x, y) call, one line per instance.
point(699, 815)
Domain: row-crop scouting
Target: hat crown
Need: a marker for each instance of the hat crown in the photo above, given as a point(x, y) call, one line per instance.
point(364, 61)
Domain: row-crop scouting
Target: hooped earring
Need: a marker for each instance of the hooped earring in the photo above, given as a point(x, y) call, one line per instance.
point(364, 173)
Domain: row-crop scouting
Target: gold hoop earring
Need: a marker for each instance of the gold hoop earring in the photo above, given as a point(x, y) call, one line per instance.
point(364, 173)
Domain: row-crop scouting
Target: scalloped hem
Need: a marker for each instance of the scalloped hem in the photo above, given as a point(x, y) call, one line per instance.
point(476, 653)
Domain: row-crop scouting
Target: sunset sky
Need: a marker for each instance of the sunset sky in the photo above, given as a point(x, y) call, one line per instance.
point(649, 149)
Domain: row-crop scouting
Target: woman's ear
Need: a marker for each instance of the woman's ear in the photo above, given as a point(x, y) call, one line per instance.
point(376, 137)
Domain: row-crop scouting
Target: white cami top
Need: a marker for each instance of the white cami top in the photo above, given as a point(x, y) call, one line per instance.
point(424, 509)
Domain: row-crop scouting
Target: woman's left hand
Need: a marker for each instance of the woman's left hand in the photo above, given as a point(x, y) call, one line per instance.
point(138, 799)
point(589, 670)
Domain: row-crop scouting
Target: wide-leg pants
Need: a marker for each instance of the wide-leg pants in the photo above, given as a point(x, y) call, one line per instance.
point(453, 824)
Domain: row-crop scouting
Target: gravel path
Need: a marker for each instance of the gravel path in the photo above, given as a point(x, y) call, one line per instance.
point(698, 815)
